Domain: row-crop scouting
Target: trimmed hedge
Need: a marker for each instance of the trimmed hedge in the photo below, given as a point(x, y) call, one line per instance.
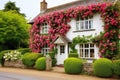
point(116, 67)
point(41, 63)
point(103, 67)
point(29, 59)
point(24, 50)
point(73, 55)
point(73, 65)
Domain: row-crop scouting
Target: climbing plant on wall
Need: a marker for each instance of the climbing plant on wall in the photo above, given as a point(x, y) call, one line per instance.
point(58, 22)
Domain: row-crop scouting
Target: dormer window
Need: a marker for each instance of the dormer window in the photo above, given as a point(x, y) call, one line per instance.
point(84, 24)
point(44, 29)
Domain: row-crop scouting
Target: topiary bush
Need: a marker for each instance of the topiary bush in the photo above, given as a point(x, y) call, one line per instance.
point(116, 67)
point(73, 55)
point(29, 59)
point(103, 67)
point(73, 65)
point(41, 63)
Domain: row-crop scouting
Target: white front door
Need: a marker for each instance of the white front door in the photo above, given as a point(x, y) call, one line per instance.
point(62, 54)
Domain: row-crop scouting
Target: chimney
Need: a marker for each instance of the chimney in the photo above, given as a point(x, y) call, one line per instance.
point(43, 6)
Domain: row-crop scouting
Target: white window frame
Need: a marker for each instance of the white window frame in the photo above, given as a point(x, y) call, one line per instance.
point(45, 50)
point(85, 24)
point(44, 29)
point(83, 49)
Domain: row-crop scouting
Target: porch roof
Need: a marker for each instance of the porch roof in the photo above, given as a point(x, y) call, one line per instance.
point(61, 40)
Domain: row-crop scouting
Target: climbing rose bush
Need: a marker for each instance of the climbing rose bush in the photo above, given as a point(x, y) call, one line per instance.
point(58, 25)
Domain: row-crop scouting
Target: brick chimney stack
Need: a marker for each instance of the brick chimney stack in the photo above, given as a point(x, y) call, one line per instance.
point(43, 6)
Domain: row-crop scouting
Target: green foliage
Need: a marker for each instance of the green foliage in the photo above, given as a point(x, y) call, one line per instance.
point(13, 30)
point(12, 6)
point(103, 67)
point(116, 67)
point(54, 61)
point(41, 63)
point(52, 54)
point(73, 65)
point(116, 57)
point(29, 59)
point(73, 55)
point(80, 40)
point(1, 56)
point(24, 50)
point(12, 55)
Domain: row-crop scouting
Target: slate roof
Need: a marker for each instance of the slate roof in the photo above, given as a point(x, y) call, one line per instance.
point(69, 5)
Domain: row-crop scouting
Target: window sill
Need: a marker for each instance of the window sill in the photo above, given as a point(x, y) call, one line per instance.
point(84, 30)
point(88, 58)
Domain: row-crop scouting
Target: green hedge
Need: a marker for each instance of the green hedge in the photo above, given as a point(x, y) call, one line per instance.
point(116, 67)
point(73, 55)
point(41, 63)
point(29, 59)
point(2, 54)
point(24, 50)
point(73, 65)
point(52, 54)
point(54, 61)
point(103, 67)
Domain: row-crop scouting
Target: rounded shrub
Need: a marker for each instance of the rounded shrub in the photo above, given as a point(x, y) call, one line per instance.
point(73, 55)
point(41, 63)
point(29, 59)
point(103, 67)
point(73, 65)
point(116, 67)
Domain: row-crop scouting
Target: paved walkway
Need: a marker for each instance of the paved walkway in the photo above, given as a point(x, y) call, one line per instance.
point(56, 74)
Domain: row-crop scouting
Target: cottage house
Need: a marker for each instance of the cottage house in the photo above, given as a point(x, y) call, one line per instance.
point(62, 37)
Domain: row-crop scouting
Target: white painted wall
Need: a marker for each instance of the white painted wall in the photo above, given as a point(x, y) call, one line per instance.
point(98, 26)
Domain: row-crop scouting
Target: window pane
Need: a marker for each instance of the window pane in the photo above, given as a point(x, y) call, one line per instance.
point(92, 53)
point(62, 49)
point(81, 52)
point(91, 45)
point(81, 24)
point(86, 24)
point(86, 52)
point(77, 25)
point(86, 45)
point(90, 24)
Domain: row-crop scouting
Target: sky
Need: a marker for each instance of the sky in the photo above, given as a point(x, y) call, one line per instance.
point(32, 7)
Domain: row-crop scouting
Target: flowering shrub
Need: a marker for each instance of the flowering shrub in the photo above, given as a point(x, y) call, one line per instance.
point(58, 22)
point(12, 55)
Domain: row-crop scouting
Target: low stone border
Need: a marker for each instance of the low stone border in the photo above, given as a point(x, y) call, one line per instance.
point(87, 68)
point(17, 64)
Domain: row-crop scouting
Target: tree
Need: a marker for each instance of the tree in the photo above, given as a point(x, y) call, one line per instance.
point(12, 6)
point(13, 30)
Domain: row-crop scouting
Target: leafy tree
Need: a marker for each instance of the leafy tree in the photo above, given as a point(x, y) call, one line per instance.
point(13, 30)
point(12, 6)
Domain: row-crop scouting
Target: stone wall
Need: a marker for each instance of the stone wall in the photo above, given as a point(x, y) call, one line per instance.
point(87, 68)
point(17, 64)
